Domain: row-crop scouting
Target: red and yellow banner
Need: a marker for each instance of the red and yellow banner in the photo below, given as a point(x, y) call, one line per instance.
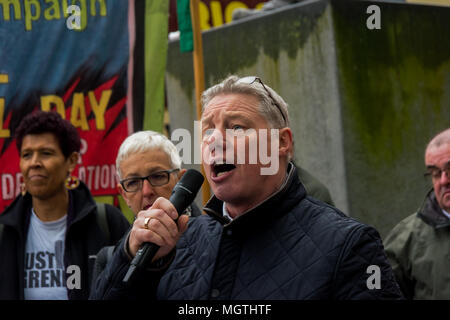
point(70, 57)
point(214, 13)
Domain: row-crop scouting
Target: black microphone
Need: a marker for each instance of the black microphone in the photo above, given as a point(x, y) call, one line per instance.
point(182, 196)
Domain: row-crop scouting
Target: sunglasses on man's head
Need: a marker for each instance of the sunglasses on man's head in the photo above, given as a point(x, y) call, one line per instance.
point(252, 79)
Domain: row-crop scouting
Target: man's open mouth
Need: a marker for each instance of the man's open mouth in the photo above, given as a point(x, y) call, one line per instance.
point(221, 169)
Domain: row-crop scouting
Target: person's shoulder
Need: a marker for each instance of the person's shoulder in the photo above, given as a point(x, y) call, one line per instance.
point(19, 204)
point(411, 225)
point(110, 209)
point(115, 217)
point(313, 186)
point(201, 221)
point(410, 222)
point(321, 212)
point(199, 228)
point(328, 222)
point(410, 236)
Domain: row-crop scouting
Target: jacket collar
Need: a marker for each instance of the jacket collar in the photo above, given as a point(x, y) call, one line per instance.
point(431, 213)
point(271, 208)
point(17, 215)
point(81, 204)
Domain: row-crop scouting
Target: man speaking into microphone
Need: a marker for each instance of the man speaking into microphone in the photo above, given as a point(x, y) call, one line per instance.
point(263, 236)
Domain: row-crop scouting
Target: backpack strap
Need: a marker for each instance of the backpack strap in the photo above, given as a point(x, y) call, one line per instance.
point(101, 219)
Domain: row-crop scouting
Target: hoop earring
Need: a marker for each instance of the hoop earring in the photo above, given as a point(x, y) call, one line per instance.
point(72, 182)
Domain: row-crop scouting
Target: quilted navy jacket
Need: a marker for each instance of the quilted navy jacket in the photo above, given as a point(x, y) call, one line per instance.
point(289, 247)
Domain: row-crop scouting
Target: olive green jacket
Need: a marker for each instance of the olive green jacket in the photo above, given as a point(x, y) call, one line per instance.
point(418, 249)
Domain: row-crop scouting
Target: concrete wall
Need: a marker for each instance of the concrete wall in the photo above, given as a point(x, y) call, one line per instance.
point(363, 103)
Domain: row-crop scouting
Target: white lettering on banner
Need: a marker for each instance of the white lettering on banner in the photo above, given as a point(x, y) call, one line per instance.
point(7, 186)
point(83, 150)
point(98, 177)
point(104, 177)
point(11, 186)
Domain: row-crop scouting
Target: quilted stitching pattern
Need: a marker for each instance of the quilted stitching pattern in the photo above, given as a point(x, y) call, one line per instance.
point(311, 253)
point(190, 278)
point(298, 249)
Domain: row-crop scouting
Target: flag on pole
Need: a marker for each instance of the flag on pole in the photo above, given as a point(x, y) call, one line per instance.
point(185, 26)
point(101, 66)
point(71, 60)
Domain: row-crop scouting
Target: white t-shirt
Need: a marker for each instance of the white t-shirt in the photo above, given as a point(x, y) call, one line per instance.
point(45, 277)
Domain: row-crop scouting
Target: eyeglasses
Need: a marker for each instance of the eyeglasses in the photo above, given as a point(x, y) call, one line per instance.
point(250, 80)
point(156, 179)
point(436, 173)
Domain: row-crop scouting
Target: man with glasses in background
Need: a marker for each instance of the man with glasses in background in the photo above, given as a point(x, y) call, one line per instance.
point(263, 237)
point(418, 248)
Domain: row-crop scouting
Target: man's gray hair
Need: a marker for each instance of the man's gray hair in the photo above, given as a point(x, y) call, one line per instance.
point(143, 141)
point(267, 108)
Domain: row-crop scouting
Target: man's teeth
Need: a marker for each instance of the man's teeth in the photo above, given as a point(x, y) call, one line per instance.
point(220, 174)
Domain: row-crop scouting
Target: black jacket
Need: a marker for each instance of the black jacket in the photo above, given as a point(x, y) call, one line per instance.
point(106, 253)
point(290, 246)
point(84, 238)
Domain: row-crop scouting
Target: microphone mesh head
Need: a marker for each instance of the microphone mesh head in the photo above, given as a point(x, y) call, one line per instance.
point(192, 180)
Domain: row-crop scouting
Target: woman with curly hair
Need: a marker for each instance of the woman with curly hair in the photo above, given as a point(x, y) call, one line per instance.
point(54, 229)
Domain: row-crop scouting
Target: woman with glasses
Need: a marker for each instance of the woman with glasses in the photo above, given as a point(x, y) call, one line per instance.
point(148, 166)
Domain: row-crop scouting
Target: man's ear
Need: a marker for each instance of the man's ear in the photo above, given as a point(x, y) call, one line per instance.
point(286, 142)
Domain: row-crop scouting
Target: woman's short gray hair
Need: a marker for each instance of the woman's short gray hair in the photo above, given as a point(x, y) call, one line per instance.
point(143, 141)
point(267, 107)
